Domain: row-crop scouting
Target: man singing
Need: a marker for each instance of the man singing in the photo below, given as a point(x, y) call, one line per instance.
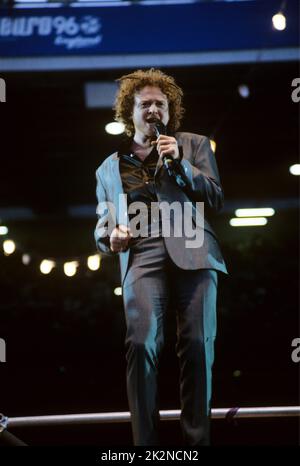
point(159, 167)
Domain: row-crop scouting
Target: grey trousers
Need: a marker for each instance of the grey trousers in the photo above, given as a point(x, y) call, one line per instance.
point(152, 279)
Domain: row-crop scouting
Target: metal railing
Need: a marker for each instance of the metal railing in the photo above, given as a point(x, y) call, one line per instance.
point(165, 415)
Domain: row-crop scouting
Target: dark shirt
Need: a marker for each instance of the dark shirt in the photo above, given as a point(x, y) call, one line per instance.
point(138, 183)
point(138, 177)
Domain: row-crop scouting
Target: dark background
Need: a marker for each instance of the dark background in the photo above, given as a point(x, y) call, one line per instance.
point(64, 336)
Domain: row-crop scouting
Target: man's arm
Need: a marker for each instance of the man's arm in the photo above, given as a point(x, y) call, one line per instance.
point(106, 218)
point(110, 238)
point(203, 176)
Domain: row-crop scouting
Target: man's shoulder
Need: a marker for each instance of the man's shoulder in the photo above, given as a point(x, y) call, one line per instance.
point(106, 162)
point(186, 137)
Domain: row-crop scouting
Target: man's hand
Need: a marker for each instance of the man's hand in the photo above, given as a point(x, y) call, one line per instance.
point(119, 238)
point(167, 145)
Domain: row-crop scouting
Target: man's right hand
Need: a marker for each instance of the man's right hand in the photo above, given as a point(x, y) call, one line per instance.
point(119, 238)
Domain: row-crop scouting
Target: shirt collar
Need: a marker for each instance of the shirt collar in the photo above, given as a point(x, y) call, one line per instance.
point(125, 145)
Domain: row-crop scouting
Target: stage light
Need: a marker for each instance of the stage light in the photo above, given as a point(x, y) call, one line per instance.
point(295, 169)
point(26, 259)
point(93, 262)
point(9, 247)
point(3, 230)
point(248, 222)
point(118, 291)
point(213, 145)
point(244, 91)
point(115, 128)
point(46, 266)
point(261, 212)
point(279, 22)
point(70, 268)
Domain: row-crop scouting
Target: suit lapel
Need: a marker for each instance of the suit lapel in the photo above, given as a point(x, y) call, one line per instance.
point(119, 197)
point(158, 166)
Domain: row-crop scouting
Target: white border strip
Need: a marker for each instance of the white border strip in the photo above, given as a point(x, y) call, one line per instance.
point(95, 62)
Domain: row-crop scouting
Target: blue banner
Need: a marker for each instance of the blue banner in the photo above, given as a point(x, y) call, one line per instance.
point(144, 29)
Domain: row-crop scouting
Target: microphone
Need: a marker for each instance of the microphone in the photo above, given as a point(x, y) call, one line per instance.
point(168, 160)
point(159, 128)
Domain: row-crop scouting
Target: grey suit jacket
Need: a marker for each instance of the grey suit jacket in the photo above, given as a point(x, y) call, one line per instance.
point(200, 168)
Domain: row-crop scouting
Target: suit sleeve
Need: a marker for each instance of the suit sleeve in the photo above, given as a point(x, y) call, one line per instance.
point(203, 176)
point(106, 218)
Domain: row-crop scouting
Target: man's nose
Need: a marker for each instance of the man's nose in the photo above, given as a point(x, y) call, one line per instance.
point(153, 108)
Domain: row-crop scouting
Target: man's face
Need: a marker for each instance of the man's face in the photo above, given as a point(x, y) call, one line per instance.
point(149, 103)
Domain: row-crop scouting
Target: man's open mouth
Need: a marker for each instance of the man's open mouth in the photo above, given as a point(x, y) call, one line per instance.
point(152, 120)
